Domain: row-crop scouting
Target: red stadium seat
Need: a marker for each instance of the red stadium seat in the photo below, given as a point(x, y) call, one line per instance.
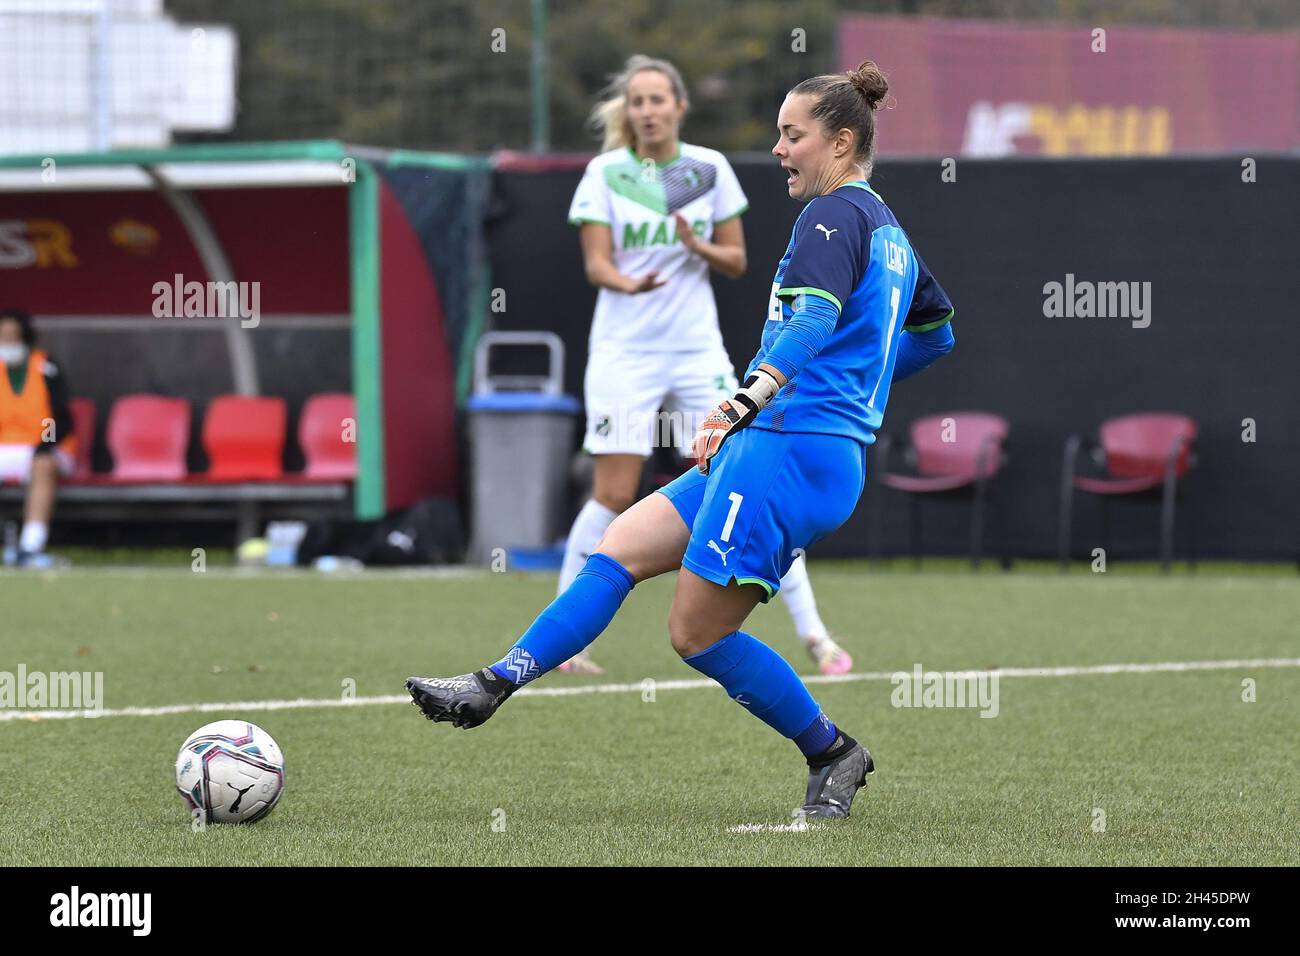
point(147, 437)
point(244, 438)
point(1138, 453)
point(327, 436)
point(83, 427)
point(950, 452)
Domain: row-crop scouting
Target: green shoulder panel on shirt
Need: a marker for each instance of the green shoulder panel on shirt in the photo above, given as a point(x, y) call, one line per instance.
point(808, 290)
point(626, 180)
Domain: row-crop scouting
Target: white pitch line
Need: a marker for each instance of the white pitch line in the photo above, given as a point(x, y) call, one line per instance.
point(775, 827)
point(302, 703)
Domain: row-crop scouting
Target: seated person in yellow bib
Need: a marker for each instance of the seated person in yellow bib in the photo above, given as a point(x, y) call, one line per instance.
point(37, 444)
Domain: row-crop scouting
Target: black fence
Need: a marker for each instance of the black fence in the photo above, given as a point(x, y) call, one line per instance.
point(1220, 342)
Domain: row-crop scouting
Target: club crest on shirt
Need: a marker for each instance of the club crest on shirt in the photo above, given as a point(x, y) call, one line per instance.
point(686, 181)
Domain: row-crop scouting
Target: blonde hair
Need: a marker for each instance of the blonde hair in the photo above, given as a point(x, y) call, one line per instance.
point(608, 118)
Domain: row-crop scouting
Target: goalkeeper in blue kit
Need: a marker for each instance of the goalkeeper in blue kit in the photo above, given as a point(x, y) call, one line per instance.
point(781, 463)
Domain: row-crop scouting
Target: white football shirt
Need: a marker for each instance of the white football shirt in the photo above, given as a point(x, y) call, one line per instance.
point(636, 199)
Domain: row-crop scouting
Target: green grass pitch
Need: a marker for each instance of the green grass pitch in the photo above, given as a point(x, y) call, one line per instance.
point(1184, 770)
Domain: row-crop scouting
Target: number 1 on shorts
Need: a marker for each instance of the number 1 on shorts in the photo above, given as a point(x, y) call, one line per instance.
point(735, 500)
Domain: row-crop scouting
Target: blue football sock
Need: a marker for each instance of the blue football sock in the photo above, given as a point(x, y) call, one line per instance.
point(759, 679)
point(817, 737)
point(570, 622)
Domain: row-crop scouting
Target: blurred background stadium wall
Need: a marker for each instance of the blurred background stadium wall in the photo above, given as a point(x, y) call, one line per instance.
point(995, 237)
point(1026, 148)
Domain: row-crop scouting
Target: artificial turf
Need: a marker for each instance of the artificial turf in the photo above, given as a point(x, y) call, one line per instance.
point(1181, 769)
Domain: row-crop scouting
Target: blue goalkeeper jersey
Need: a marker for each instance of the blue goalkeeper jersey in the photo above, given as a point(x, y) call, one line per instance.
point(847, 247)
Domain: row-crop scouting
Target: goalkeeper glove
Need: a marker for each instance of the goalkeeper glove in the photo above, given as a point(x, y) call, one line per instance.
point(733, 415)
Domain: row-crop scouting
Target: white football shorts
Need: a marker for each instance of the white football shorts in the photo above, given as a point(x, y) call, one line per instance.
point(16, 462)
point(639, 401)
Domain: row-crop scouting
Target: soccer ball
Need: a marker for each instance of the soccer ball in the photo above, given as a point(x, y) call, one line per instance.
point(230, 771)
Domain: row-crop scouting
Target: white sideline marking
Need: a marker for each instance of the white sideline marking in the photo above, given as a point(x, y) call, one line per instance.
point(775, 827)
point(302, 703)
point(277, 575)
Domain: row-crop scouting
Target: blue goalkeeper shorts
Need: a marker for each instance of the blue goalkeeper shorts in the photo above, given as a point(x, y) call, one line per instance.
point(767, 496)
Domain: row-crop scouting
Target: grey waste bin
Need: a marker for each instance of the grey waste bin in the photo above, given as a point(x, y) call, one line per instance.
point(521, 431)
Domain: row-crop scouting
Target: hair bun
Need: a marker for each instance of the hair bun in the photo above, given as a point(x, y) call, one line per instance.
point(870, 82)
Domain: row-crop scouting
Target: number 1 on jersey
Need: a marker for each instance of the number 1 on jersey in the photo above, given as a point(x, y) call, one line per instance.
point(895, 293)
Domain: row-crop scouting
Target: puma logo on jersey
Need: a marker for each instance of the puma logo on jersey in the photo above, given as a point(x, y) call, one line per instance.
point(825, 230)
point(722, 554)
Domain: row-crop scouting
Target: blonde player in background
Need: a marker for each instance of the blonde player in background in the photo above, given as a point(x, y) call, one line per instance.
point(654, 216)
